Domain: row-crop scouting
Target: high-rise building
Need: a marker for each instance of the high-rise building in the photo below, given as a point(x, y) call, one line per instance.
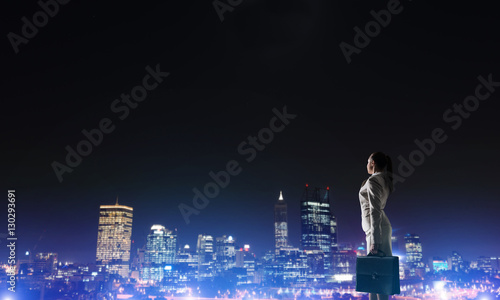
point(484, 264)
point(160, 252)
point(225, 253)
point(187, 262)
point(456, 262)
point(206, 256)
point(292, 265)
point(319, 227)
point(414, 258)
point(280, 224)
point(114, 238)
point(246, 260)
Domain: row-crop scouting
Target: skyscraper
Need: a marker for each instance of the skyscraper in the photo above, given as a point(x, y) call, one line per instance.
point(225, 253)
point(113, 238)
point(280, 224)
point(319, 226)
point(414, 258)
point(456, 262)
point(160, 251)
point(206, 258)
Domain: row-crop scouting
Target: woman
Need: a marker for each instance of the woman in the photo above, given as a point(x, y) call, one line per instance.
point(373, 197)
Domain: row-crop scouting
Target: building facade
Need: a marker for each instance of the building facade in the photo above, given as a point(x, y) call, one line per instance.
point(225, 253)
point(114, 238)
point(280, 224)
point(318, 225)
point(414, 258)
point(206, 257)
point(160, 252)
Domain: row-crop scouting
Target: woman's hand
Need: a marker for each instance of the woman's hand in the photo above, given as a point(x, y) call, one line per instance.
point(373, 249)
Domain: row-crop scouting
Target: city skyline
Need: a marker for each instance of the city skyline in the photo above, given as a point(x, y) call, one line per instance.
point(170, 106)
point(261, 250)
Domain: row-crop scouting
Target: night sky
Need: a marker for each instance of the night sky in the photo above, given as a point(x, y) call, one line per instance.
point(225, 78)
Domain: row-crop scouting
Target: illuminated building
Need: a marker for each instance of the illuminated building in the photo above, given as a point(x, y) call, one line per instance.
point(291, 267)
point(187, 262)
point(160, 252)
point(414, 258)
point(113, 238)
point(280, 224)
point(439, 264)
point(456, 262)
point(206, 257)
point(344, 262)
point(484, 264)
point(246, 260)
point(225, 253)
point(319, 227)
point(45, 264)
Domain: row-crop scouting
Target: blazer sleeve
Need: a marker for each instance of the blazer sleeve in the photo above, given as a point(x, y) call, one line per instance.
point(374, 190)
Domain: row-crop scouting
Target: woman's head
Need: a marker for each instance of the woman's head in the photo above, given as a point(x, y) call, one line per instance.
point(379, 162)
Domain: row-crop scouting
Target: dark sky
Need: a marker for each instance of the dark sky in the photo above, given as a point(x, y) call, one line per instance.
point(225, 79)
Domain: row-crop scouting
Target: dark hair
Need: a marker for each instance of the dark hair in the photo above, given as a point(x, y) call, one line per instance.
point(382, 161)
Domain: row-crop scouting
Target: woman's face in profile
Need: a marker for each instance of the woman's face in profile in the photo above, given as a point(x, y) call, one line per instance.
point(370, 165)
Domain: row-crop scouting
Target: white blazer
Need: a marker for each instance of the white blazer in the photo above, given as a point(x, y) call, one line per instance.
point(373, 198)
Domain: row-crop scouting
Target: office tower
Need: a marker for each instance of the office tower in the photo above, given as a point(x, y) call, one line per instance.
point(160, 252)
point(225, 253)
point(455, 262)
point(113, 238)
point(246, 260)
point(187, 263)
point(206, 259)
point(414, 258)
point(484, 264)
point(171, 246)
point(292, 265)
point(319, 228)
point(280, 224)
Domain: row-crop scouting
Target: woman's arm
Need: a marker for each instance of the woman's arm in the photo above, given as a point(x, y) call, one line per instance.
point(374, 190)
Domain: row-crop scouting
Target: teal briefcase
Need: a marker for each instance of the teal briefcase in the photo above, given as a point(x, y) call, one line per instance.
point(377, 274)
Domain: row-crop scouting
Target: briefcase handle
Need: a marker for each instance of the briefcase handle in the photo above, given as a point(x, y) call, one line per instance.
point(383, 253)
